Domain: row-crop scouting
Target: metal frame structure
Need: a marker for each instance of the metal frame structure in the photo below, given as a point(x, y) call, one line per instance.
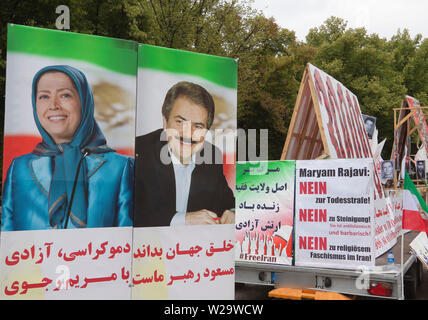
point(404, 127)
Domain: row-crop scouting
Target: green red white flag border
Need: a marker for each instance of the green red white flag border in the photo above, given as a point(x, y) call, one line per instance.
point(415, 210)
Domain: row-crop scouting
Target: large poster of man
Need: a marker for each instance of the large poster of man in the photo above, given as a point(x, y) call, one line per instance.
point(184, 175)
point(68, 162)
point(173, 153)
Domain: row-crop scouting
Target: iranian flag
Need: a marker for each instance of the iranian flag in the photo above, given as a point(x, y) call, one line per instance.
point(415, 210)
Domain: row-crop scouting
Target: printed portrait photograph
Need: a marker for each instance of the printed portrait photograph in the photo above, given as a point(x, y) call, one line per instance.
point(420, 170)
point(184, 154)
point(69, 126)
point(387, 170)
point(411, 169)
point(369, 124)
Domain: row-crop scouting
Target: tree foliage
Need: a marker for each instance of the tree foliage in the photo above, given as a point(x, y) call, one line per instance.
point(271, 60)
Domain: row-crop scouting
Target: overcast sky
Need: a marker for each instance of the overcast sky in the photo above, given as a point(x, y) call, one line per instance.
point(383, 17)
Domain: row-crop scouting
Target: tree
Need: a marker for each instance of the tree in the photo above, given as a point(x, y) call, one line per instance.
point(122, 19)
point(404, 48)
point(271, 60)
point(267, 70)
point(367, 65)
point(330, 31)
point(415, 72)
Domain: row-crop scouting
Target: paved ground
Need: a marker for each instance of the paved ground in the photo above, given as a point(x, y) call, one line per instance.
point(251, 292)
point(422, 292)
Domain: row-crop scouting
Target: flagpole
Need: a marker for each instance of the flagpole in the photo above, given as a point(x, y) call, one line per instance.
point(402, 231)
point(402, 269)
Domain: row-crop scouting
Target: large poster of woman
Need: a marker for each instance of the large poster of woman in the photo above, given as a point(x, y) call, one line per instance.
point(69, 126)
point(68, 170)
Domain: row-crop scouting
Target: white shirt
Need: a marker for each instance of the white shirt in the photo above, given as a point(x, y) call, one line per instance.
point(183, 178)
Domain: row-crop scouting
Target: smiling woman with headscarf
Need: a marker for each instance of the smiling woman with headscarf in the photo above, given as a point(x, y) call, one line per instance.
point(72, 179)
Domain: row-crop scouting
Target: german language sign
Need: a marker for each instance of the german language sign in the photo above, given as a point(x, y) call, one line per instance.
point(334, 213)
point(388, 216)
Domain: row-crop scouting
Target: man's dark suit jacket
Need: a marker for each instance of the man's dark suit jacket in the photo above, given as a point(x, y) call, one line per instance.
point(155, 183)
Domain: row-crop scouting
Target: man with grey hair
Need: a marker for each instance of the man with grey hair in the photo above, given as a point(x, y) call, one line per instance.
point(178, 178)
point(387, 170)
point(420, 169)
